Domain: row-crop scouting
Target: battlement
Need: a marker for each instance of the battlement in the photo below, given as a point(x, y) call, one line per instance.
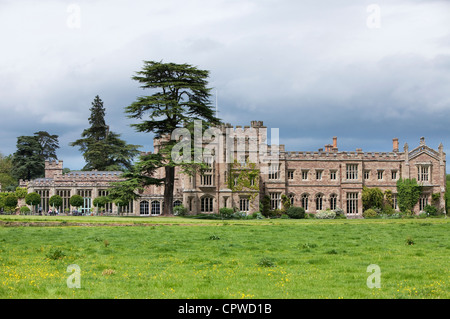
point(52, 168)
point(354, 155)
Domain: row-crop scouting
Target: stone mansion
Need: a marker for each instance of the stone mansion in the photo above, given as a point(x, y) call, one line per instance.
point(327, 178)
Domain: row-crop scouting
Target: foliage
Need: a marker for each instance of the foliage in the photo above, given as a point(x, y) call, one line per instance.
point(372, 197)
point(55, 201)
point(265, 205)
point(408, 193)
point(25, 209)
point(27, 161)
point(285, 202)
point(7, 180)
point(10, 201)
point(325, 214)
point(76, 201)
point(33, 199)
point(409, 241)
point(387, 209)
point(226, 212)
point(100, 201)
point(296, 212)
point(180, 96)
point(431, 210)
point(180, 210)
point(21, 192)
point(370, 213)
point(266, 262)
point(339, 212)
point(49, 143)
point(103, 149)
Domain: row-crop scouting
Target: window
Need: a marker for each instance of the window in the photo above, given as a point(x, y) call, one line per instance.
point(319, 201)
point(319, 174)
point(143, 208)
point(423, 201)
point(380, 174)
point(394, 175)
point(394, 201)
point(352, 203)
point(243, 204)
point(423, 173)
point(333, 175)
point(304, 174)
point(305, 201)
point(156, 207)
point(273, 171)
point(291, 199)
point(291, 174)
point(333, 201)
point(352, 171)
point(366, 174)
point(206, 204)
point(235, 180)
point(275, 200)
point(206, 180)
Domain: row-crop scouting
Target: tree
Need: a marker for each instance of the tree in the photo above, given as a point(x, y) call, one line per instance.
point(372, 198)
point(76, 201)
point(55, 201)
point(49, 144)
point(408, 194)
point(180, 96)
point(33, 199)
point(27, 161)
point(102, 149)
point(100, 201)
point(21, 192)
point(11, 201)
point(7, 181)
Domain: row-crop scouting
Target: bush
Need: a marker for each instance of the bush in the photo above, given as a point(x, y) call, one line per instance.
point(296, 212)
point(239, 215)
point(431, 210)
point(55, 254)
point(325, 214)
point(25, 210)
point(226, 212)
point(339, 213)
point(180, 210)
point(370, 213)
point(388, 210)
point(257, 215)
point(266, 262)
point(422, 215)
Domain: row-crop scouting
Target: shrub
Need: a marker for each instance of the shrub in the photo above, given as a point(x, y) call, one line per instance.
point(214, 237)
point(284, 216)
point(431, 210)
point(296, 212)
point(339, 213)
point(25, 209)
point(239, 215)
point(388, 210)
point(76, 201)
point(265, 206)
point(370, 213)
point(180, 210)
point(226, 212)
point(422, 215)
point(257, 215)
point(325, 214)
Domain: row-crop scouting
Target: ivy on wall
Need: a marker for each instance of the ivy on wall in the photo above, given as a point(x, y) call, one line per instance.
point(240, 179)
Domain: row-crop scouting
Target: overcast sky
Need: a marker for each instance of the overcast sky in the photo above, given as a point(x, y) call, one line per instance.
point(364, 71)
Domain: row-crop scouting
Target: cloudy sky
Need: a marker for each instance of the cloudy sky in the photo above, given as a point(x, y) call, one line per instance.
point(365, 71)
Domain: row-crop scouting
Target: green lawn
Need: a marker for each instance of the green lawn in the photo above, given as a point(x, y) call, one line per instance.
point(187, 258)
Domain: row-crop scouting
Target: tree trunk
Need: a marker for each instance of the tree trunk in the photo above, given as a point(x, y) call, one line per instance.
point(168, 190)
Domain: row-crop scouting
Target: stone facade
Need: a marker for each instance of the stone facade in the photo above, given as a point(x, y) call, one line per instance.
point(327, 178)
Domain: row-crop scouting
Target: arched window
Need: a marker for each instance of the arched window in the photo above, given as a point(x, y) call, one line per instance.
point(143, 207)
point(206, 204)
point(305, 201)
point(156, 207)
point(333, 201)
point(291, 199)
point(177, 203)
point(319, 202)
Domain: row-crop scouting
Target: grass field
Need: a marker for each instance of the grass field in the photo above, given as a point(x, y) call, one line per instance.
point(187, 258)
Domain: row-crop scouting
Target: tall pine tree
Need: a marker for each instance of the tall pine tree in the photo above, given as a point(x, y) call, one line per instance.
point(102, 149)
point(28, 162)
point(181, 96)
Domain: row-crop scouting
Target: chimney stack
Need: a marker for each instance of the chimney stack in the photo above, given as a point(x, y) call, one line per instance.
point(335, 142)
point(395, 145)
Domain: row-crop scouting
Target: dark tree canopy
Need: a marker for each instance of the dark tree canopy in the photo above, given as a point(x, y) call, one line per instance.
point(49, 144)
point(27, 160)
point(102, 149)
point(180, 96)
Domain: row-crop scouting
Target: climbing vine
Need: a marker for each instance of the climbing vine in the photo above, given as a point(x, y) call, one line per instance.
point(243, 179)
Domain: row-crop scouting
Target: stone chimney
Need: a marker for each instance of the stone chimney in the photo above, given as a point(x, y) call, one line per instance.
point(395, 145)
point(335, 148)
